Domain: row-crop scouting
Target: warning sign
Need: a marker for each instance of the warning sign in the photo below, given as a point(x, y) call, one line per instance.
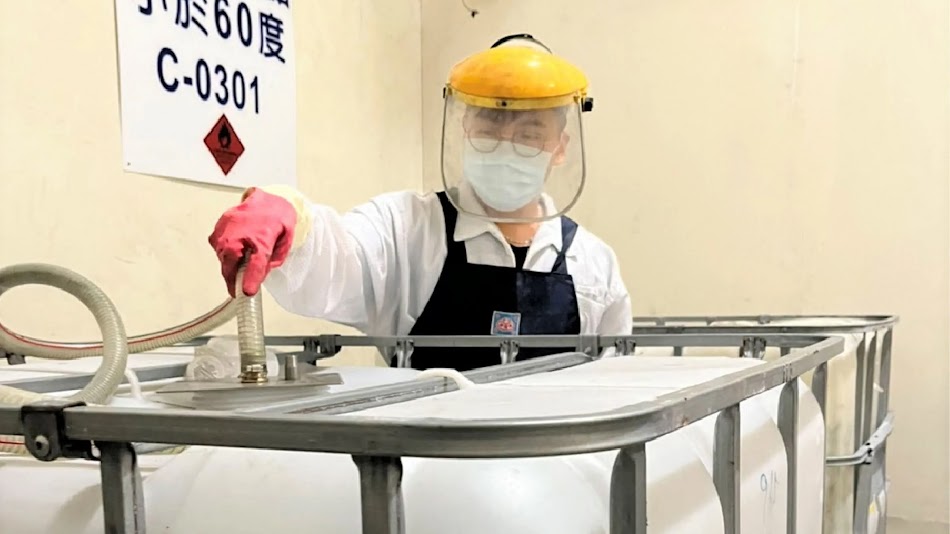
point(181, 68)
point(224, 144)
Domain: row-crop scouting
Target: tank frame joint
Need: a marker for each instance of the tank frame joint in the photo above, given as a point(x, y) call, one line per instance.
point(44, 431)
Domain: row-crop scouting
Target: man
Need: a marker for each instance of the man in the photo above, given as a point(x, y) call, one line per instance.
point(491, 254)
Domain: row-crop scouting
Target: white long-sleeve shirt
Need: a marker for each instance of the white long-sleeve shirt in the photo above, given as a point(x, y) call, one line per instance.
point(374, 267)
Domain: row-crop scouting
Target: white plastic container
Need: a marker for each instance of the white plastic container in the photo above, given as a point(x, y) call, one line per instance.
point(248, 491)
point(839, 409)
point(764, 467)
point(230, 490)
point(681, 496)
point(58, 497)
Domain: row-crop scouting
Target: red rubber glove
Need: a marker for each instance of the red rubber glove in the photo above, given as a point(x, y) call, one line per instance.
point(261, 225)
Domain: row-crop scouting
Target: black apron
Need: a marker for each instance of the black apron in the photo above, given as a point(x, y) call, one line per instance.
point(480, 300)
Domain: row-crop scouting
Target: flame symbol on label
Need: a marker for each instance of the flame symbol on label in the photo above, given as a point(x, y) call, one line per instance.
point(224, 136)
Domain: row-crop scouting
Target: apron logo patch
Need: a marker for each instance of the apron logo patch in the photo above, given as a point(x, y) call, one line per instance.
point(505, 324)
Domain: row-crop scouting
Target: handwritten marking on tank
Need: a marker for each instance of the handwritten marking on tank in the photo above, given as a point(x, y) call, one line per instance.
point(768, 483)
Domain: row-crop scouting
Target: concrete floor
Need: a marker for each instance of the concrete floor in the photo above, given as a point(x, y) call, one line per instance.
point(901, 526)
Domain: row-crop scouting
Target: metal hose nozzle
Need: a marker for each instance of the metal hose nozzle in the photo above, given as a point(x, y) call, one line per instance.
point(250, 320)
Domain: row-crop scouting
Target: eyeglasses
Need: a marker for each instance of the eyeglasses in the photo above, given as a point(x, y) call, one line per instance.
point(527, 142)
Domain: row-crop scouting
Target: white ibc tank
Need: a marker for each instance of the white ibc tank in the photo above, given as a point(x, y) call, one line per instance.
point(681, 496)
point(56, 498)
point(839, 403)
point(839, 411)
point(247, 491)
point(232, 491)
point(764, 466)
point(223, 490)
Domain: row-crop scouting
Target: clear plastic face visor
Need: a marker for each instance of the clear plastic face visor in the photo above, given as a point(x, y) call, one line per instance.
point(510, 165)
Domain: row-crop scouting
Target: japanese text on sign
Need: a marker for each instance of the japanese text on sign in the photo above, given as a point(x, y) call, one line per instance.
point(228, 58)
point(231, 88)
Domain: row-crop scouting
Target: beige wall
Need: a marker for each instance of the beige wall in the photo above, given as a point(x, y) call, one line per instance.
point(746, 156)
point(143, 239)
point(763, 157)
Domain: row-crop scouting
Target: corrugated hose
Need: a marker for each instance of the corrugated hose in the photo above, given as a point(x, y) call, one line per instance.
point(115, 346)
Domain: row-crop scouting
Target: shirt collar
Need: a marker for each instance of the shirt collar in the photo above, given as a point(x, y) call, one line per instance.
point(470, 226)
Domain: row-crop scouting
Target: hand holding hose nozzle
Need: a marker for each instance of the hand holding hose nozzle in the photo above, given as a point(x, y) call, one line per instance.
point(262, 223)
point(256, 234)
point(250, 240)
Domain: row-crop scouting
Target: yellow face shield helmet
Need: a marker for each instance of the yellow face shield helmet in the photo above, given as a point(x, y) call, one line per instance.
point(512, 141)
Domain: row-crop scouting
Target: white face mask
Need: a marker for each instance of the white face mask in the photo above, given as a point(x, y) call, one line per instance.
point(504, 179)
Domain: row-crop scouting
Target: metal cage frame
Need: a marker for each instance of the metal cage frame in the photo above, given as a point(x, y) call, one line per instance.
point(56, 429)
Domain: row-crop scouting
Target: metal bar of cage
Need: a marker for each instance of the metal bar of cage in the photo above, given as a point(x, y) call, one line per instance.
point(764, 323)
point(377, 444)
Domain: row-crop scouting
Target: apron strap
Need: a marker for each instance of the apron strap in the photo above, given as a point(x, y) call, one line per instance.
point(568, 231)
point(455, 249)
